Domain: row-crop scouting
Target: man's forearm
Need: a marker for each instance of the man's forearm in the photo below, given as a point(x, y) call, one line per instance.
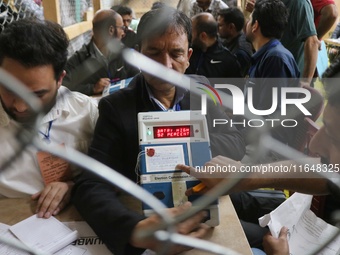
point(302, 180)
point(311, 48)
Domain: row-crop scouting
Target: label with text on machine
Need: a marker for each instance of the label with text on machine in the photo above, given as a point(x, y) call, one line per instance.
point(167, 139)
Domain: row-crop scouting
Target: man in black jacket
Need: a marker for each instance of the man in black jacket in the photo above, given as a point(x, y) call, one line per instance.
point(98, 63)
point(210, 58)
point(164, 36)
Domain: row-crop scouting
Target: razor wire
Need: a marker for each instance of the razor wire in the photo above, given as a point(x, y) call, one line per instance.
point(116, 179)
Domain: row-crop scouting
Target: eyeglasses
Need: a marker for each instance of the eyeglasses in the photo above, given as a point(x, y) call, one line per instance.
point(121, 27)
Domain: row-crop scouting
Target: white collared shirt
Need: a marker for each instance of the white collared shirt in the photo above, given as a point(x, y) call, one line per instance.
point(73, 120)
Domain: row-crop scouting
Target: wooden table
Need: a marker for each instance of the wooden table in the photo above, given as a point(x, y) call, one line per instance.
point(229, 233)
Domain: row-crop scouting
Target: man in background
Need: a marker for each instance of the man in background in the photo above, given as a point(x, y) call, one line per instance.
point(130, 37)
point(99, 63)
point(300, 36)
point(211, 6)
point(325, 15)
point(209, 57)
point(230, 29)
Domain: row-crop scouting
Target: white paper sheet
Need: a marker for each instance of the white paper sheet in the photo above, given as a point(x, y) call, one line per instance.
point(306, 230)
point(48, 235)
point(6, 249)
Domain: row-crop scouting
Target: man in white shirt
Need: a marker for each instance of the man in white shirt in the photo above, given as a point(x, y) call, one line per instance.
point(35, 52)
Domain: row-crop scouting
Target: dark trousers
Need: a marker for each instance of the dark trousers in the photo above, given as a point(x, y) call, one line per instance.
point(252, 205)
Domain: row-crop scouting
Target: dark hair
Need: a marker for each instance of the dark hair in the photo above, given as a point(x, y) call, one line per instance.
point(330, 80)
point(202, 24)
point(157, 5)
point(34, 42)
point(233, 15)
point(122, 10)
point(272, 16)
point(157, 22)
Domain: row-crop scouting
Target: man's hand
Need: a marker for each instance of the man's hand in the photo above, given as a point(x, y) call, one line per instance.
point(100, 85)
point(207, 178)
point(276, 246)
point(191, 227)
point(250, 4)
point(53, 198)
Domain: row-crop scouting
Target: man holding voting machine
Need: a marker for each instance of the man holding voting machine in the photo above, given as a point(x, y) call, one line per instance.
point(164, 36)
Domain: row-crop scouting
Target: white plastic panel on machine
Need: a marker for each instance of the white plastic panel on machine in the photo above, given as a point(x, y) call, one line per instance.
point(163, 158)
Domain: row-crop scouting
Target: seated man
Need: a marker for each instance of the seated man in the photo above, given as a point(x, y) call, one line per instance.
point(70, 117)
point(164, 35)
point(97, 64)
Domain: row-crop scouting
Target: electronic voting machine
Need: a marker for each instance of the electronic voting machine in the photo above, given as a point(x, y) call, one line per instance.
point(167, 139)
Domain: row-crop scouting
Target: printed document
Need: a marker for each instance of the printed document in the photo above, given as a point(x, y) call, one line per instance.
point(307, 232)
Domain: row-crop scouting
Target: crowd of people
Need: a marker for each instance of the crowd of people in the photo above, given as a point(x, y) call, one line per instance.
point(279, 41)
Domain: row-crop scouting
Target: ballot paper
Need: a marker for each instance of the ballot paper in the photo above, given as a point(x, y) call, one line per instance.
point(306, 232)
point(47, 235)
point(6, 249)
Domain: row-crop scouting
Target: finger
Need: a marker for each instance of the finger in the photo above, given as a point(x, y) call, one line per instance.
point(62, 204)
point(283, 233)
point(191, 223)
point(36, 195)
point(198, 233)
point(50, 202)
point(41, 199)
point(201, 231)
point(184, 168)
point(189, 192)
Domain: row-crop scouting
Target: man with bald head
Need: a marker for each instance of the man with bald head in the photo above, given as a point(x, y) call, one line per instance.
point(98, 63)
point(210, 58)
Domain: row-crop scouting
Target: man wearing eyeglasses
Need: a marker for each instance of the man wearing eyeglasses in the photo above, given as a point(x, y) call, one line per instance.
point(130, 38)
point(99, 63)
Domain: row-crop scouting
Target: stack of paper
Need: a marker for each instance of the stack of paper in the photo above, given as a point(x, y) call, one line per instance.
point(44, 235)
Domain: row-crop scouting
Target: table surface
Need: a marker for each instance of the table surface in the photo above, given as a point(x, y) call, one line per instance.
point(333, 42)
point(229, 233)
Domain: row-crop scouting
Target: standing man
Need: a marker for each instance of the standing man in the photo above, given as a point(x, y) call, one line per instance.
point(273, 66)
point(99, 63)
point(211, 6)
point(130, 37)
point(209, 57)
point(35, 52)
point(325, 15)
point(230, 28)
point(164, 35)
point(271, 59)
point(300, 37)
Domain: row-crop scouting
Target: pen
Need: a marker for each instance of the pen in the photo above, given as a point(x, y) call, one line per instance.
point(199, 187)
